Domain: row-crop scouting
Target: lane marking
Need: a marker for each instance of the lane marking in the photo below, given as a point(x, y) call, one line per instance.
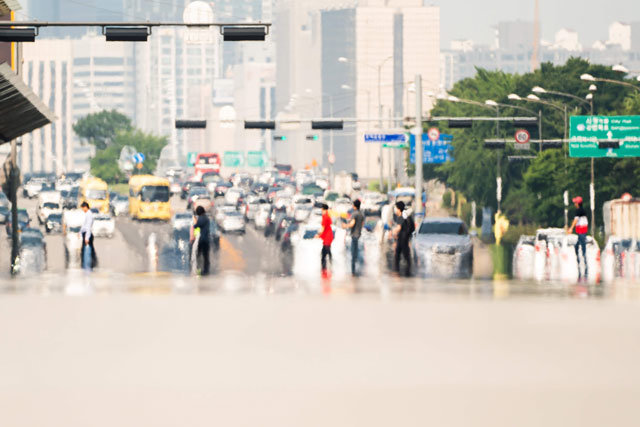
point(231, 258)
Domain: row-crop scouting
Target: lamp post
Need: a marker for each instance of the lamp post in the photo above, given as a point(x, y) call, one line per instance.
point(379, 71)
point(495, 108)
point(590, 78)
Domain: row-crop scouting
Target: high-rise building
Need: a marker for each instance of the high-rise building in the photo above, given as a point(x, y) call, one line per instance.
point(371, 54)
point(515, 35)
point(48, 70)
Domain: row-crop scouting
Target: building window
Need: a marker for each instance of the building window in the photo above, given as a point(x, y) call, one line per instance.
point(109, 74)
point(81, 61)
point(108, 61)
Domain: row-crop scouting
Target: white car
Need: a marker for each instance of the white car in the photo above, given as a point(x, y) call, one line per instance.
point(307, 249)
point(342, 206)
point(261, 216)
point(523, 256)
point(233, 222)
point(33, 188)
point(103, 225)
point(182, 220)
point(372, 203)
point(621, 259)
point(563, 264)
point(47, 208)
point(222, 211)
point(71, 223)
point(232, 196)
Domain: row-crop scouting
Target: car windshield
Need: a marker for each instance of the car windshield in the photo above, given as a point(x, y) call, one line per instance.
point(51, 205)
point(310, 234)
point(233, 213)
point(432, 227)
point(55, 217)
point(23, 216)
point(331, 197)
point(184, 215)
point(197, 191)
point(74, 229)
point(154, 193)
point(93, 194)
point(31, 241)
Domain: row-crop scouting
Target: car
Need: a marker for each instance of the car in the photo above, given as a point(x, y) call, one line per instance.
point(188, 185)
point(312, 190)
point(72, 221)
point(194, 193)
point(261, 216)
point(23, 222)
point(341, 207)
point(234, 196)
point(260, 189)
point(372, 203)
point(32, 187)
point(182, 220)
point(4, 201)
point(221, 211)
point(621, 259)
point(203, 201)
point(442, 248)
point(119, 205)
point(302, 207)
point(283, 169)
point(232, 221)
point(45, 209)
point(5, 212)
point(254, 203)
point(562, 263)
point(103, 225)
point(53, 224)
point(70, 199)
point(33, 252)
point(211, 180)
point(523, 255)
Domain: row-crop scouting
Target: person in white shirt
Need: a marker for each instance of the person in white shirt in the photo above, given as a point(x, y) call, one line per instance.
point(86, 234)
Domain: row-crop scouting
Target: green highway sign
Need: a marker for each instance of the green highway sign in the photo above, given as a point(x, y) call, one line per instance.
point(256, 159)
point(233, 159)
point(395, 145)
point(586, 131)
point(191, 158)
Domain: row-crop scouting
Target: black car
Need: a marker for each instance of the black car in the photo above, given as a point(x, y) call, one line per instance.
point(5, 213)
point(53, 224)
point(70, 199)
point(188, 185)
point(221, 189)
point(23, 221)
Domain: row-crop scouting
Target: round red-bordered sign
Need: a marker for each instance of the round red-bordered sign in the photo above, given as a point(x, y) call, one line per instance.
point(522, 136)
point(332, 158)
point(434, 134)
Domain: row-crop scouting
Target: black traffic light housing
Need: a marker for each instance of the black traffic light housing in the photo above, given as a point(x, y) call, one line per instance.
point(18, 35)
point(237, 34)
point(609, 143)
point(327, 124)
point(126, 34)
point(460, 123)
point(191, 124)
point(260, 125)
point(494, 145)
point(525, 123)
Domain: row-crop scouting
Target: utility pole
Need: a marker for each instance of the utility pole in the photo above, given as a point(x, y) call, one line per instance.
point(498, 163)
point(592, 191)
point(380, 123)
point(331, 155)
point(418, 135)
point(13, 187)
point(390, 151)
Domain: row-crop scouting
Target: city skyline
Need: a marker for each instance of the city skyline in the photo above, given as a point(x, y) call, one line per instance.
point(479, 18)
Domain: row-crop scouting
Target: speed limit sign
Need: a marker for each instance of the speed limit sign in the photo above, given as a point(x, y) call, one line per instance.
point(522, 139)
point(434, 134)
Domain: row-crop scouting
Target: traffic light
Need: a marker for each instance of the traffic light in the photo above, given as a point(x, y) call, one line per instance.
point(18, 35)
point(609, 143)
point(312, 137)
point(279, 138)
point(260, 125)
point(126, 34)
point(493, 144)
point(237, 34)
point(460, 123)
point(525, 123)
point(327, 124)
point(547, 145)
point(191, 124)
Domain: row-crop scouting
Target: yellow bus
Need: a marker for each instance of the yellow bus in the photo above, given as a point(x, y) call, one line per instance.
point(95, 192)
point(149, 197)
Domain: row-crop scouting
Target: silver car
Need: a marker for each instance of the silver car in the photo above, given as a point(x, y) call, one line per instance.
point(233, 222)
point(443, 248)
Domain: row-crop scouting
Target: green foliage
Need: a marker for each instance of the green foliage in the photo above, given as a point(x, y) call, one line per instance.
point(110, 131)
point(446, 199)
point(533, 191)
point(99, 129)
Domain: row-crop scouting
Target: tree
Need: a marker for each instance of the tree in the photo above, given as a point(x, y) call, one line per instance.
point(533, 191)
point(101, 128)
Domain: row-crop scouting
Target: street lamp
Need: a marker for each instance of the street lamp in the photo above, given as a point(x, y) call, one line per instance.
point(541, 90)
point(590, 78)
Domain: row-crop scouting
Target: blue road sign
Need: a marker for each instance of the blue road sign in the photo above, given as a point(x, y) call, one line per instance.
point(138, 158)
point(385, 137)
point(436, 152)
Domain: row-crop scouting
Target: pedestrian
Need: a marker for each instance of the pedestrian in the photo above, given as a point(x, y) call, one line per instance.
point(386, 217)
point(201, 232)
point(326, 234)
point(581, 225)
point(403, 233)
point(87, 238)
point(355, 224)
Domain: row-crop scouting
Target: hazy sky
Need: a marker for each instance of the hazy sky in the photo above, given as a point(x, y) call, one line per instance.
point(473, 19)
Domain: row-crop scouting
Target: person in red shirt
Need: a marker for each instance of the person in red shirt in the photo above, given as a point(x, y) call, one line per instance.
point(326, 234)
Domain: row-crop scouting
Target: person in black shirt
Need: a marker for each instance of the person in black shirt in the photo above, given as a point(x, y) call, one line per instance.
point(581, 225)
point(404, 232)
point(201, 223)
point(355, 224)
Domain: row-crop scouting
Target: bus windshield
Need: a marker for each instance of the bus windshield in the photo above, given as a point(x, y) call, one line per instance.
point(93, 194)
point(154, 193)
